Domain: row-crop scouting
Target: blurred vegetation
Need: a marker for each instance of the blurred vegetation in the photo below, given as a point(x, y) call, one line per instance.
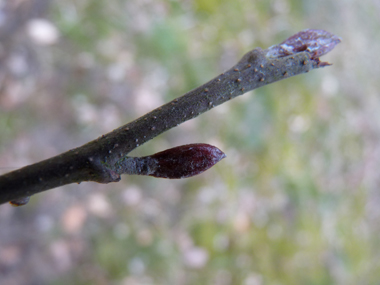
point(296, 199)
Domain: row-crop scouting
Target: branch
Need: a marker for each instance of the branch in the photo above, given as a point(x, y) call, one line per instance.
point(105, 159)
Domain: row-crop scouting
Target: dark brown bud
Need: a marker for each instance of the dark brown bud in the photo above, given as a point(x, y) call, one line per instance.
point(185, 161)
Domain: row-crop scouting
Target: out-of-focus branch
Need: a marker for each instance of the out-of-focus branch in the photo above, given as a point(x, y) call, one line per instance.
point(105, 159)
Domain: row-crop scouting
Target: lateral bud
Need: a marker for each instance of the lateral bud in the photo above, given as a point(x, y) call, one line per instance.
point(185, 161)
point(20, 201)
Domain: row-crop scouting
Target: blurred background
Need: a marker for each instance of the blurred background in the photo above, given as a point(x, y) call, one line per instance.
point(296, 201)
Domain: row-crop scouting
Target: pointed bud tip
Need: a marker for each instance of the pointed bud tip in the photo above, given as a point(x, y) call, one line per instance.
point(186, 160)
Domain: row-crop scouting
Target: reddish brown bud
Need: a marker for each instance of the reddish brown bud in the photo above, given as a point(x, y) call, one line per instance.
point(20, 202)
point(186, 160)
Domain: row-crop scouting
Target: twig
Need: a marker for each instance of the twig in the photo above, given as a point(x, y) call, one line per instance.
point(105, 159)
